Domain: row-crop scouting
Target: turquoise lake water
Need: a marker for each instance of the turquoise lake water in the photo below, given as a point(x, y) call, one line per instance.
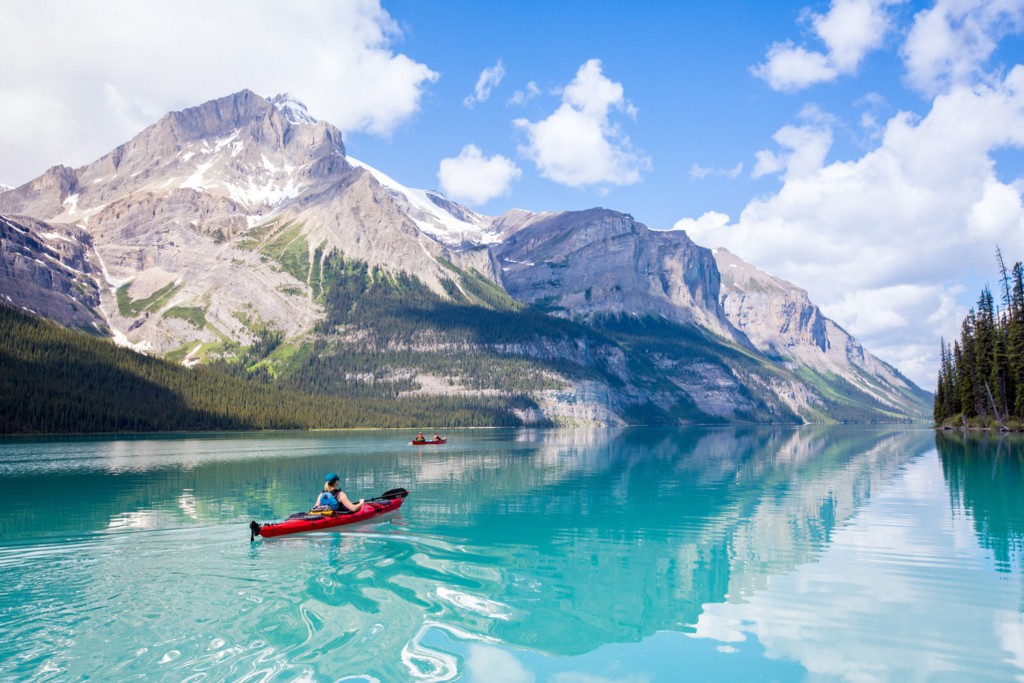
point(570, 556)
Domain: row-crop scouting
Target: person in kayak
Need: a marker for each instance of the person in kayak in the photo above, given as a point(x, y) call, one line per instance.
point(419, 437)
point(335, 498)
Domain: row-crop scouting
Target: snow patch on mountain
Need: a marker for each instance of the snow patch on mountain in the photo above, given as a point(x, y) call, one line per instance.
point(268, 193)
point(71, 204)
point(225, 141)
point(50, 236)
point(266, 184)
point(197, 180)
point(432, 218)
point(12, 226)
point(292, 109)
point(121, 339)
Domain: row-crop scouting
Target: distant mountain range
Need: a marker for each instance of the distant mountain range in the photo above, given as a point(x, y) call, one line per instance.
point(240, 227)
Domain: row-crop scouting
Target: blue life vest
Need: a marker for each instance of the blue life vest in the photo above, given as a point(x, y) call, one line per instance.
point(327, 498)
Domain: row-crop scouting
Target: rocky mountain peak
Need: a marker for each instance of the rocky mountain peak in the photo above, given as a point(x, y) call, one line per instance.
point(215, 118)
point(220, 217)
point(781, 321)
point(43, 196)
point(254, 152)
point(294, 110)
point(777, 316)
point(599, 261)
point(279, 122)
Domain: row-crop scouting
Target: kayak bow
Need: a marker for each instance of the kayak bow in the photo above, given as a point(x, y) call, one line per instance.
point(318, 521)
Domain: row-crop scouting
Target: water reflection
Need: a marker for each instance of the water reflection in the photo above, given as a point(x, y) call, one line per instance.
point(733, 554)
point(901, 592)
point(985, 472)
point(620, 540)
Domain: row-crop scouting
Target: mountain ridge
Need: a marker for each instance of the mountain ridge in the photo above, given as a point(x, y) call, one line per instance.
point(217, 223)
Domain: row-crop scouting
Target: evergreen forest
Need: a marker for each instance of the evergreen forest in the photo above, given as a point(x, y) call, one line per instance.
point(981, 375)
point(391, 353)
point(56, 380)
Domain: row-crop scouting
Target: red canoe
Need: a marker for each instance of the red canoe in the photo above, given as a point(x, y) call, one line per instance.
point(309, 521)
point(435, 442)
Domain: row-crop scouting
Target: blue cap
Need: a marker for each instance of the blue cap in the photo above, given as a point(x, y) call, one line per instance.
point(332, 477)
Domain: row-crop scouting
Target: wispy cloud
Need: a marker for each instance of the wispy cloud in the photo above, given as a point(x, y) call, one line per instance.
point(708, 222)
point(489, 79)
point(521, 97)
point(802, 152)
point(698, 172)
point(873, 110)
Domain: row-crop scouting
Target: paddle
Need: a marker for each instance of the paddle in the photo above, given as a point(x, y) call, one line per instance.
point(392, 494)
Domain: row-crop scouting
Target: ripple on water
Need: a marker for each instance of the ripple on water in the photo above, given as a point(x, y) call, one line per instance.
point(538, 560)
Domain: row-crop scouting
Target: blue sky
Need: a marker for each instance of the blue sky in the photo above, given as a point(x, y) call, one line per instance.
point(866, 150)
point(685, 70)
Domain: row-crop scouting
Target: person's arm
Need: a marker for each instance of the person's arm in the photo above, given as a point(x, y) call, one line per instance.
point(349, 505)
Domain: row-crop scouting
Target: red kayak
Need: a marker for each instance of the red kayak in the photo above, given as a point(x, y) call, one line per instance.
point(435, 442)
point(318, 521)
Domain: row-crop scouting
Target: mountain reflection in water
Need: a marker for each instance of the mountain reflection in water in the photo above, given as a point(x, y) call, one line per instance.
point(845, 553)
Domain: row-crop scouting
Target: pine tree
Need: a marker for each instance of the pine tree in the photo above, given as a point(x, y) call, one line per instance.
point(940, 409)
point(1015, 336)
point(983, 372)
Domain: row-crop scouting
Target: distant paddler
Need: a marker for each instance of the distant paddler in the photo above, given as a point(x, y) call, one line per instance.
point(420, 440)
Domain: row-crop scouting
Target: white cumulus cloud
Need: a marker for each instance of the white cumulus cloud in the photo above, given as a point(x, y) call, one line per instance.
point(849, 30)
point(475, 179)
point(804, 152)
point(91, 75)
point(950, 42)
point(489, 79)
point(579, 145)
point(888, 238)
point(708, 222)
point(790, 68)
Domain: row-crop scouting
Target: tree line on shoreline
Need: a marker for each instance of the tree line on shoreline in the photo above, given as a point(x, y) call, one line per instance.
point(56, 380)
point(981, 374)
point(364, 365)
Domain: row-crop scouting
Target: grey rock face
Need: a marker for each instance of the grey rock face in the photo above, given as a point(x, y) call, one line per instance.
point(43, 196)
point(776, 316)
point(782, 322)
point(582, 263)
point(192, 201)
point(47, 269)
point(209, 223)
